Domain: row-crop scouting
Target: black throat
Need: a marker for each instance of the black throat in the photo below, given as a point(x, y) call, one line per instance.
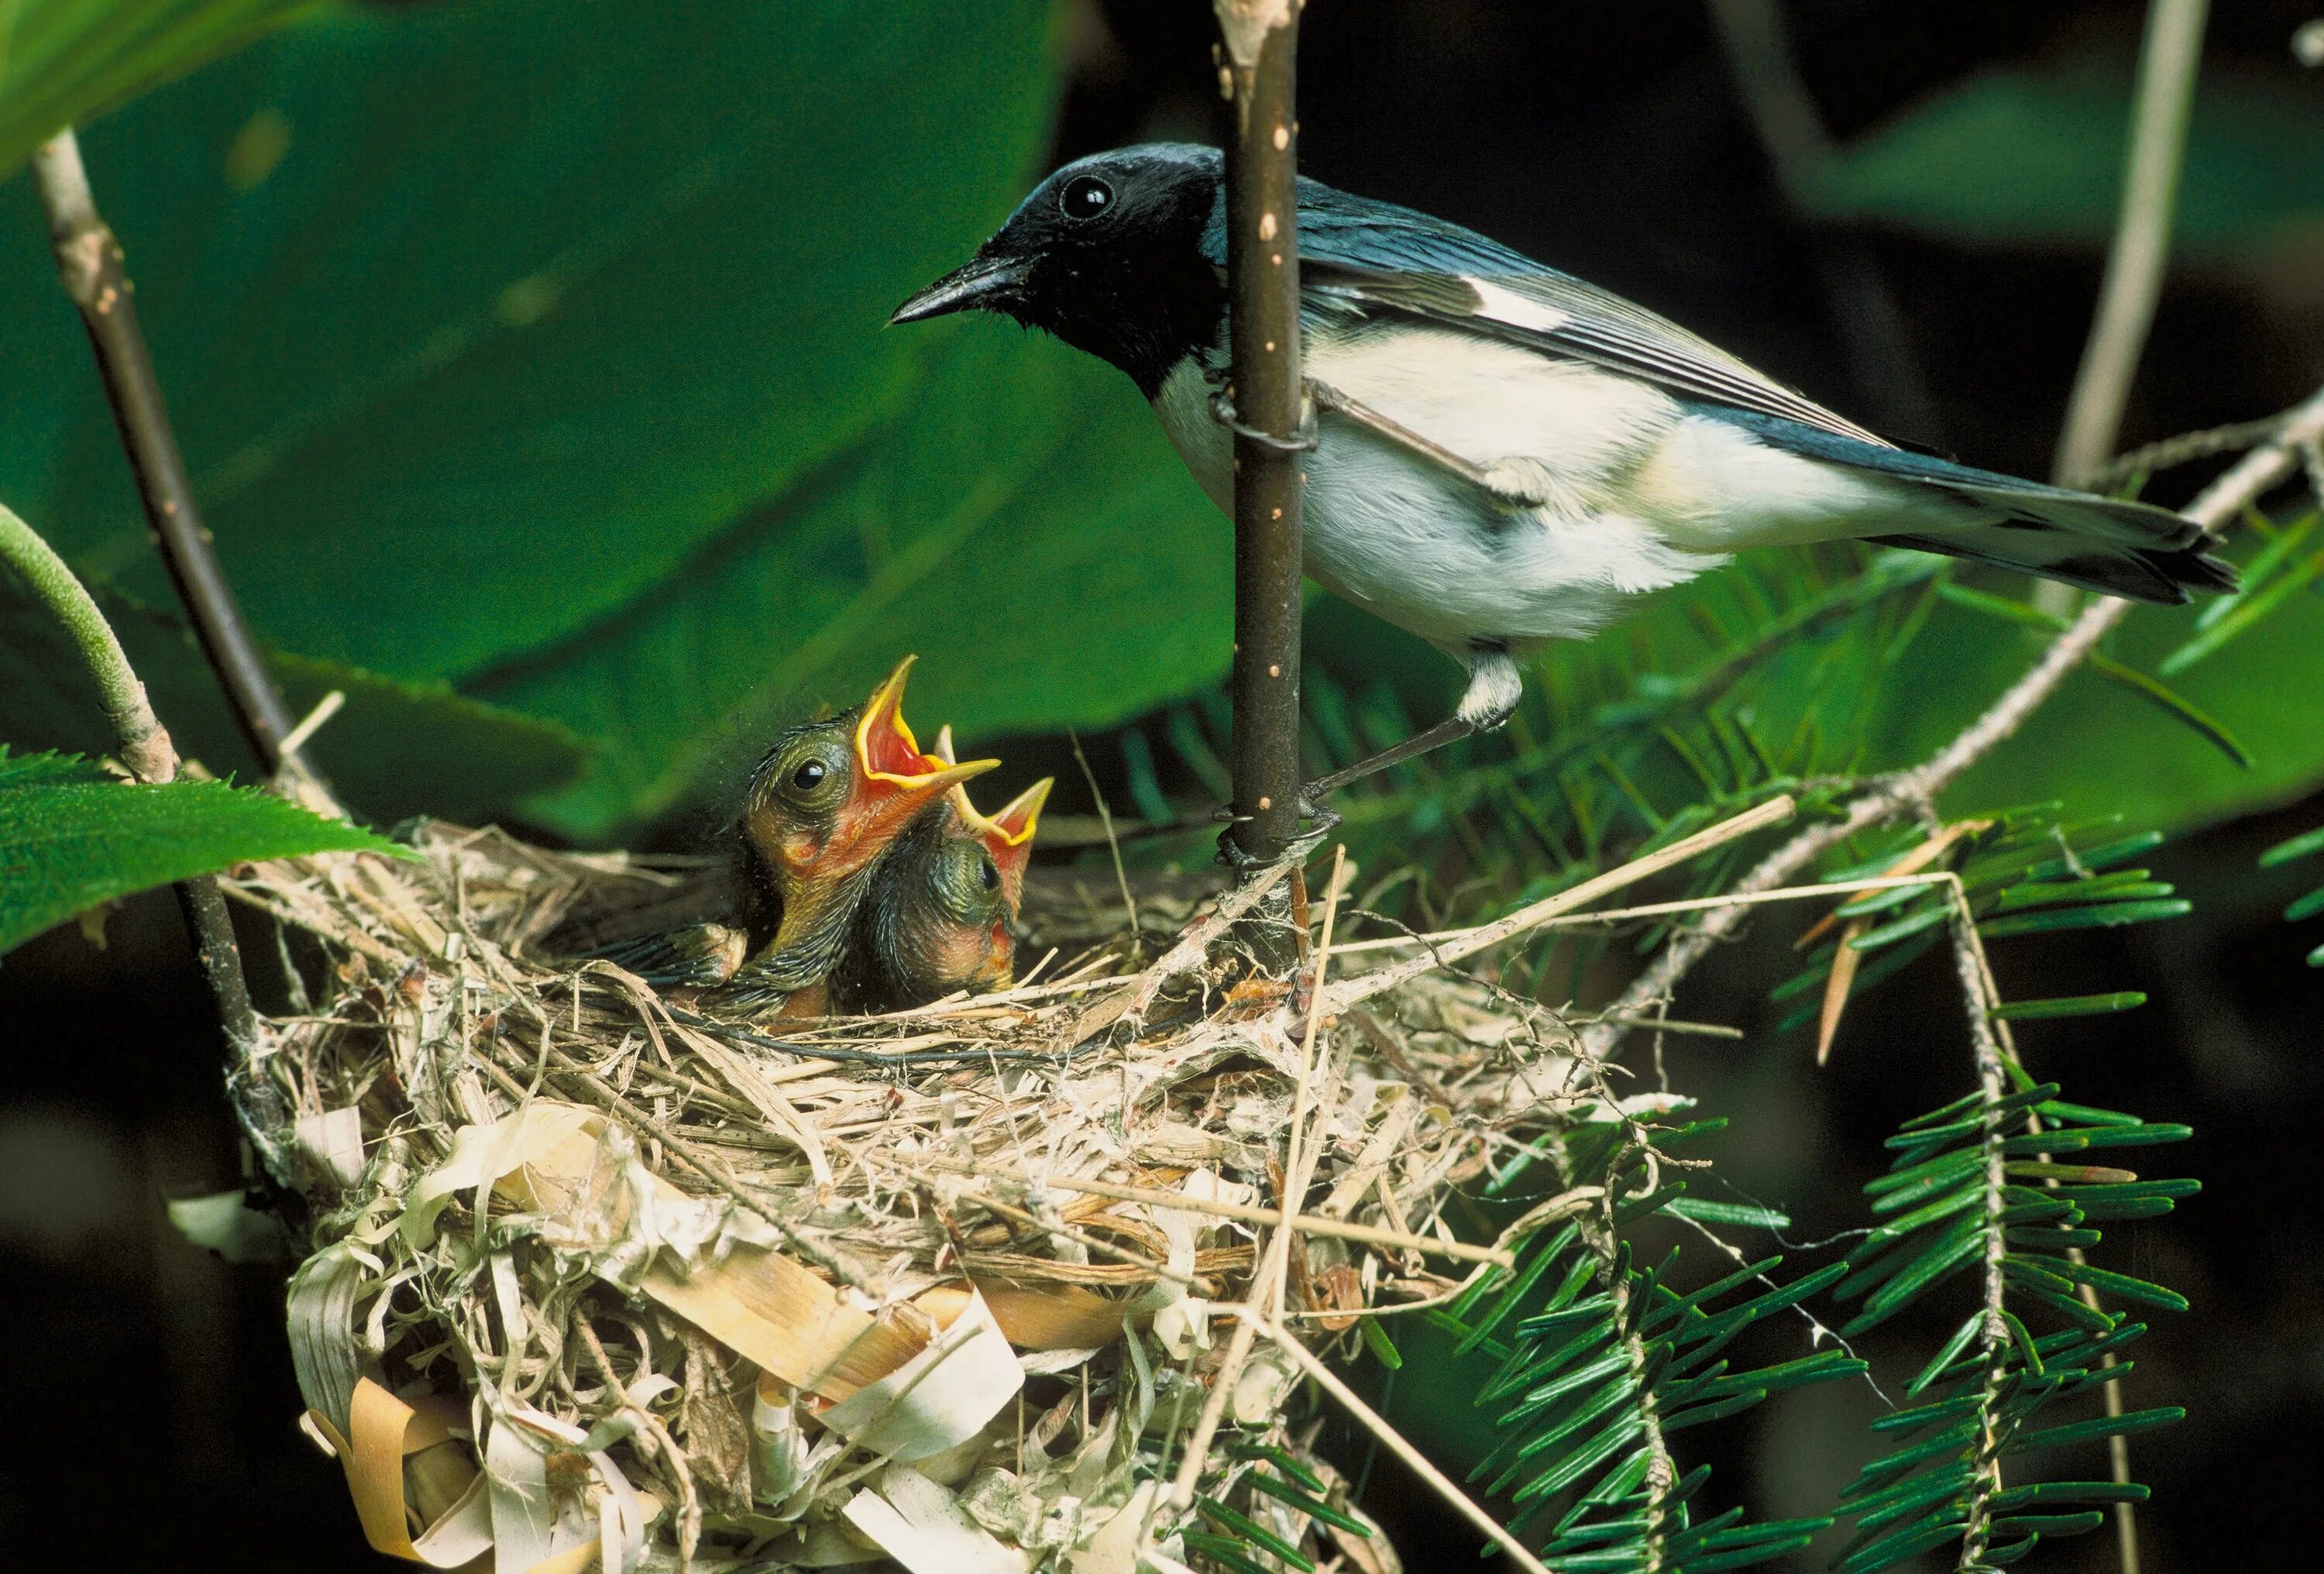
point(1143, 299)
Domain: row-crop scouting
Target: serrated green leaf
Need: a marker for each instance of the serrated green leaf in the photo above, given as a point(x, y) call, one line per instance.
point(73, 839)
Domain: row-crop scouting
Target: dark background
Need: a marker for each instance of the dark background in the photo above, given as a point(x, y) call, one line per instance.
point(152, 1396)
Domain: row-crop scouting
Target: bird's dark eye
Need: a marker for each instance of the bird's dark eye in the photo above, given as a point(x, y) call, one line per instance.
point(808, 777)
point(987, 873)
point(1084, 196)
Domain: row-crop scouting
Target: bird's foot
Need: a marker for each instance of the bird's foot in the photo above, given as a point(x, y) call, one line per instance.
point(1317, 825)
point(1222, 410)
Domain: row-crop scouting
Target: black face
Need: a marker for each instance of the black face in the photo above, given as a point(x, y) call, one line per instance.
point(1106, 253)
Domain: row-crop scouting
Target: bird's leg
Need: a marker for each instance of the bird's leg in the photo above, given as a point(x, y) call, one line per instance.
point(1494, 686)
point(1509, 486)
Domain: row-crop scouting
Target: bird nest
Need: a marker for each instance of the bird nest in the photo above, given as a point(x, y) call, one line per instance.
point(592, 1275)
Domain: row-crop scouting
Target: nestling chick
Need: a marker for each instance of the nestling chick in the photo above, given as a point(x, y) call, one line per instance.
point(824, 806)
point(939, 914)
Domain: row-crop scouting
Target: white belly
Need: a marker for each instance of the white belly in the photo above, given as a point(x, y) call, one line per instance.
point(1427, 549)
point(1634, 494)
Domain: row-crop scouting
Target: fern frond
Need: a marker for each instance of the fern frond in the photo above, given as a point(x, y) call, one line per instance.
point(1985, 1183)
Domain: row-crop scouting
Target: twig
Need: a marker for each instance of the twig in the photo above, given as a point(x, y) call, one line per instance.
point(1268, 1283)
point(1774, 812)
point(1373, 1422)
point(1872, 331)
point(2168, 63)
point(145, 748)
point(1114, 846)
point(90, 264)
point(1187, 952)
point(2247, 480)
point(1993, 1338)
point(1664, 910)
point(1267, 411)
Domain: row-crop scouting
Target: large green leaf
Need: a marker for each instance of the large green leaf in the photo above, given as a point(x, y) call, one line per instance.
point(71, 838)
point(1023, 527)
point(66, 61)
point(540, 352)
point(2034, 157)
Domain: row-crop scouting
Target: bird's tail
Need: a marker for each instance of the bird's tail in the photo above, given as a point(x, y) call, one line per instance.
point(2132, 550)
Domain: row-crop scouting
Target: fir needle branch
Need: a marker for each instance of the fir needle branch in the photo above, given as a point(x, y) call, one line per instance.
point(1993, 1336)
point(2250, 477)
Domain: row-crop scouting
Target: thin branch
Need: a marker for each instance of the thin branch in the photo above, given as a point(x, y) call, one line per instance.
point(1266, 404)
point(1993, 1338)
point(145, 748)
point(90, 264)
point(2251, 477)
point(2168, 64)
point(1864, 309)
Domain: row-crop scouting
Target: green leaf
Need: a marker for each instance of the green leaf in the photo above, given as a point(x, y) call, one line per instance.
point(2070, 1006)
point(2103, 915)
point(2173, 704)
point(71, 838)
point(1703, 1211)
point(2251, 604)
point(1313, 1507)
point(2304, 845)
point(2104, 1426)
point(2034, 158)
point(63, 61)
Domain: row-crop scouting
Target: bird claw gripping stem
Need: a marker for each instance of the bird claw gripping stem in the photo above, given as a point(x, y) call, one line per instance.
point(1222, 410)
point(1319, 822)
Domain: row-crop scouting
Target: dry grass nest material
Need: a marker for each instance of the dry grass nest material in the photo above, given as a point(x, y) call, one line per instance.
point(596, 1279)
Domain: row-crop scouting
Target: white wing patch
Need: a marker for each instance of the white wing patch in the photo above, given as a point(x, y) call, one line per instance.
point(1505, 304)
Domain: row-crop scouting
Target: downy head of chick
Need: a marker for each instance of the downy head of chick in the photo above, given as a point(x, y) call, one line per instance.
point(825, 804)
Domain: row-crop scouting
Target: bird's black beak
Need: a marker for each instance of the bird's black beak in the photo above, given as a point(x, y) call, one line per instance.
point(985, 283)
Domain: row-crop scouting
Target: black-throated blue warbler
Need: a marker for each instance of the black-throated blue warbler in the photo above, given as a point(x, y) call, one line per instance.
point(1505, 455)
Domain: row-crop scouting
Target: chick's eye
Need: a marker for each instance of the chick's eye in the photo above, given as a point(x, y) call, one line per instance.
point(988, 875)
point(1084, 196)
point(808, 777)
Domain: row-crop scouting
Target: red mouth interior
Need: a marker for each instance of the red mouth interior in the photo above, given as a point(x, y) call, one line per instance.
point(889, 748)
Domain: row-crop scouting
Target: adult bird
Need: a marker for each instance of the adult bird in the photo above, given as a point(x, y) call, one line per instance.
point(1504, 455)
point(824, 806)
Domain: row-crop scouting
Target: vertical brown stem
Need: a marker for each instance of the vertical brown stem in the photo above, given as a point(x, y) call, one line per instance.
point(89, 263)
point(1268, 397)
